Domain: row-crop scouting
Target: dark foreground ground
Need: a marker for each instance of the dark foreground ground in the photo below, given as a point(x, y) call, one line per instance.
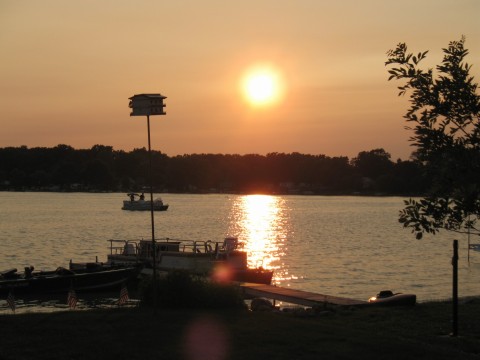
point(420, 332)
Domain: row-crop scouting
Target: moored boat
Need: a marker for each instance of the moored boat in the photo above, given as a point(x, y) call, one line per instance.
point(388, 298)
point(222, 261)
point(474, 247)
point(140, 204)
point(90, 278)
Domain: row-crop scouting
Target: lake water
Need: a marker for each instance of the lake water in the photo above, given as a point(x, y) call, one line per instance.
point(343, 246)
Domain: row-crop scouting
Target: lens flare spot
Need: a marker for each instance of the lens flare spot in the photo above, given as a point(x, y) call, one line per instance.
point(206, 338)
point(222, 273)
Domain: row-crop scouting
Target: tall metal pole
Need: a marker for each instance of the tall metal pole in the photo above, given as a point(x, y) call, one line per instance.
point(154, 249)
point(149, 104)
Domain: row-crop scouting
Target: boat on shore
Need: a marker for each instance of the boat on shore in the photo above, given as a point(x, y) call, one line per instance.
point(90, 278)
point(388, 298)
point(222, 261)
point(137, 202)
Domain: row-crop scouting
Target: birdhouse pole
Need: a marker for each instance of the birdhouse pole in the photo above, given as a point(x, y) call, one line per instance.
point(149, 105)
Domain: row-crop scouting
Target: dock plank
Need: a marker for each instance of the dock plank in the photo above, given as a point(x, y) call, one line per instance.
point(298, 297)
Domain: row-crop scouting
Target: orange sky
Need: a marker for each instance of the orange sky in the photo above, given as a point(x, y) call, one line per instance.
point(69, 67)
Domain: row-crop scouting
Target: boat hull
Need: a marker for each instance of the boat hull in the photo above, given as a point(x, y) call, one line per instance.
point(255, 276)
point(394, 300)
point(62, 280)
point(143, 206)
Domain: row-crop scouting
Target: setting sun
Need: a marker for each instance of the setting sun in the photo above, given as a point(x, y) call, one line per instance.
point(262, 85)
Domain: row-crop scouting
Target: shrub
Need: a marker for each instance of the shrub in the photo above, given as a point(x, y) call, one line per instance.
point(179, 289)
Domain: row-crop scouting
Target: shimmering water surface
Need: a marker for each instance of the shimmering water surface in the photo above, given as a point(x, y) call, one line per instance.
point(343, 246)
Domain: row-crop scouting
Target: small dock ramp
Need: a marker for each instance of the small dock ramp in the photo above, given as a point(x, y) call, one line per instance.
point(298, 297)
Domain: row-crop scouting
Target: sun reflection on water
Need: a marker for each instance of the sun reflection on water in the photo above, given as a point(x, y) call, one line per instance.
point(260, 223)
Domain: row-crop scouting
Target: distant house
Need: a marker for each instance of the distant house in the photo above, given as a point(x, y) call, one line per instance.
point(147, 104)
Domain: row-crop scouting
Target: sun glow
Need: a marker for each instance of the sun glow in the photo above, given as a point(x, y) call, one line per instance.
point(262, 85)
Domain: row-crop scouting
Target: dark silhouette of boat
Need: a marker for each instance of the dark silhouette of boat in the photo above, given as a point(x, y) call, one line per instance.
point(61, 280)
point(140, 204)
point(222, 261)
point(388, 298)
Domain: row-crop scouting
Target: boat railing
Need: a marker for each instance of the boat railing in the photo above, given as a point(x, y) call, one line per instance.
point(192, 246)
point(134, 247)
point(226, 246)
point(123, 247)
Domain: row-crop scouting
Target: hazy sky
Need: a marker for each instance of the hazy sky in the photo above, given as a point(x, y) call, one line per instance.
point(69, 67)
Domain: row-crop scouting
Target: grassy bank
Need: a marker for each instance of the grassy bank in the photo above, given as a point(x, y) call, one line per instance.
point(419, 332)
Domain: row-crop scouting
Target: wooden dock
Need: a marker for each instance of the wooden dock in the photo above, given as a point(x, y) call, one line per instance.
point(298, 297)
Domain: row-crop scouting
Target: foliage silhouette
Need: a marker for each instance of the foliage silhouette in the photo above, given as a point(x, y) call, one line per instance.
point(102, 168)
point(445, 114)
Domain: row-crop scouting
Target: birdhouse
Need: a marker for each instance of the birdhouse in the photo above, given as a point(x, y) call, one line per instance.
point(147, 104)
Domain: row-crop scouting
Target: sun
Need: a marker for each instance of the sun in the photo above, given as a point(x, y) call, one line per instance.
point(262, 85)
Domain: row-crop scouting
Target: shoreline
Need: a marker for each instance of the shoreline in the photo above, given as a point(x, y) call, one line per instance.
point(417, 332)
point(111, 303)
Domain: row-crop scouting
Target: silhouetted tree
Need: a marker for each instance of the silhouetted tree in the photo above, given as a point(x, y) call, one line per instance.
point(97, 175)
point(373, 163)
point(445, 117)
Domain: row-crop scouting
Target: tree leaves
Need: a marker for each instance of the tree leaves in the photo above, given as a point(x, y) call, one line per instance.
point(446, 114)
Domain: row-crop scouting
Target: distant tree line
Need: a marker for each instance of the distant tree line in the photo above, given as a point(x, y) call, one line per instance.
point(101, 168)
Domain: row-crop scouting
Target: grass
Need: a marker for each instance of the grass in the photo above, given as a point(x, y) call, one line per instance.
point(419, 332)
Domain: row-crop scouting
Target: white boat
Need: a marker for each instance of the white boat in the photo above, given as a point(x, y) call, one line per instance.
point(474, 247)
point(141, 204)
point(222, 261)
